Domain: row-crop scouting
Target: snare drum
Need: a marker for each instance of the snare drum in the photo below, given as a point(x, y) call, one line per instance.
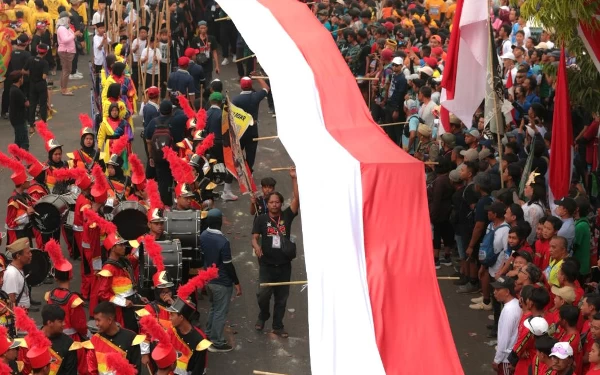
point(71, 199)
point(130, 219)
point(52, 211)
point(173, 260)
point(39, 269)
point(185, 226)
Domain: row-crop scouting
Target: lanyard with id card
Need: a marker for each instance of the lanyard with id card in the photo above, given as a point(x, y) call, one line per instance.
point(276, 239)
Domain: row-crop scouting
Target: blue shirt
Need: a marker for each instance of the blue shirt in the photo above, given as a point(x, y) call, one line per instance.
point(217, 251)
point(181, 81)
point(197, 73)
point(150, 112)
point(213, 122)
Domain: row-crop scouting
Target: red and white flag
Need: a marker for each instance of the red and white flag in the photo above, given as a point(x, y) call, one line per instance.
point(561, 148)
point(590, 34)
point(372, 288)
point(464, 80)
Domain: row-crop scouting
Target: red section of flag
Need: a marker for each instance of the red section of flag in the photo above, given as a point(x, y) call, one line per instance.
point(562, 135)
point(590, 34)
point(449, 77)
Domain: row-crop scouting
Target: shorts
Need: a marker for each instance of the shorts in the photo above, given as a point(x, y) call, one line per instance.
point(443, 231)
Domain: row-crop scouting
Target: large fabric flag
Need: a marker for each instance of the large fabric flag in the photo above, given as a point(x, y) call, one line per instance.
point(494, 90)
point(463, 83)
point(590, 34)
point(233, 124)
point(379, 242)
point(561, 148)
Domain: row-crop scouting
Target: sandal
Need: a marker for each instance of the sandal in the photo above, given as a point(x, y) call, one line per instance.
point(281, 333)
point(68, 93)
point(259, 325)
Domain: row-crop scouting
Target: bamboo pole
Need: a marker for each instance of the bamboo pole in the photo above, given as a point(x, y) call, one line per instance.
point(259, 77)
point(245, 58)
point(367, 79)
point(168, 15)
point(394, 123)
point(284, 283)
point(343, 28)
point(448, 278)
point(257, 372)
point(5, 306)
point(282, 169)
point(431, 163)
point(201, 96)
point(223, 19)
point(265, 138)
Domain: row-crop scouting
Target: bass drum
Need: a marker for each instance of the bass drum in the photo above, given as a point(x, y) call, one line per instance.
point(39, 269)
point(173, 259)
point(51, 212)
point(130, 219)
point(71, 199)
point(185, 226)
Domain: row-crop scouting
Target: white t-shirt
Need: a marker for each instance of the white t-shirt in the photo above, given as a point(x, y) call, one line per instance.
point(14, 282)
point(500, 243)
point(151, 67)
point(97, 17)
point(163, 52)
point(141, 44)
point(99, 57)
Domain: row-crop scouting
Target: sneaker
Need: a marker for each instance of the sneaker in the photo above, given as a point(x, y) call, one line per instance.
point(461, 281)
point(225, 62)
point(491, 317)
point(75, 77)
point(481, 306)
point(228, 196)
point(437, 265)
point(224, 348)
point(467, 288)
point(78, 74)
point(477, 300)
point(446, 261)
point(233, 58)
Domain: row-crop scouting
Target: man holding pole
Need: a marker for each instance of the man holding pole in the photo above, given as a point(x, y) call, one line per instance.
point(274, 264)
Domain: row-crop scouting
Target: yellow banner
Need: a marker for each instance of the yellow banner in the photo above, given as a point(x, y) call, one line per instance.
point(241, 119)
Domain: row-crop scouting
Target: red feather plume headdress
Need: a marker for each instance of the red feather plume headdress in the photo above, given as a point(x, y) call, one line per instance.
point(185, 106)
point(181, 170)
point(34, 337)
point(63, 174)
point(21, 154)
point(86, 121)
point(137, 168)
point(154, 251)
point(201, 119)
point(153, 194)
point(11, 163)
point(100, 181)
point(119, 365)
point(197, 282)
point(150, 327)
point(42, 128)
point(118, 145)
point(104, 225)
point(206, 144)
point(54, 252)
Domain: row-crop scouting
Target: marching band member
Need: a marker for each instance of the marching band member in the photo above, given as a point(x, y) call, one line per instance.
point(8, 353)
point(64, 350)
point(184, 174)
point(156, 217)
point(116, 282)
point(35, 338)
point(113, 126)
point(138, 179)
point(186, 147)
point(112, 339)
point(203, 195)
point(115, 167)
point(118, 76)
point(40, 359)
point(55, 161)
point(162, 285)
point(189, 340)
point(164, 357)
point(75, 324)
point(87, 154)
point(20, 204)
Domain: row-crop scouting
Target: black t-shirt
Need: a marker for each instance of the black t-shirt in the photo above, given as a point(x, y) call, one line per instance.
point(18, 59)
point(37, 67)
point(265, 226)
point(361, 67)
point(17, 112)
point(206, 47)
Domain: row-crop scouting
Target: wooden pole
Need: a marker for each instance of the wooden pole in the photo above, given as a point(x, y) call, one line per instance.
point(201, 96)
point(265, 138)
point(394, 123)
point(431, 163)
point(245, 58)
point(168, 15)
point(448, 278)
point(282, 169)
point(256, 372)
point(259, 77)
point(343, 28)
point(284, 283)
point(223, 19)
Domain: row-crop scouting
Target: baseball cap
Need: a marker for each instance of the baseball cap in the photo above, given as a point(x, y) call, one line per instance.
point(437, 51)
point(166, 107)
point(568, 203)
point(470, 154)
point(561, 350)
point(431, 61)
point(389, 26)
point(22, 39)
point(183, 61)
point(436, 37)
point(518, 47)
point(214, 212)
point(454, 175)
point(555, 54)
point(523, 254)
point(473, 132)
point(542, 45)
point(189, 52)
point(449, 139)
point(246, 83)
point(153, 92)
point(454, 119)
point(427, 70)
point(458, 150)
point(504, 283)
point(411, 105)
point(508, 55)
point(484, 154)
point(482, 179)
point(387, 54)
point(42, 48)
point(566, 292)
point(397, 61)
point(497, 207)
point(216, 96)
point(536, 325)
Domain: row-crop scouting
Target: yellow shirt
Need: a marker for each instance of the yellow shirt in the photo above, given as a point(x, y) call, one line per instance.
point(41, 16)
point(450, 11)
point(82, 11)
point(435, 8)
point(26, 12)
point(552, 272)
point(53, 7)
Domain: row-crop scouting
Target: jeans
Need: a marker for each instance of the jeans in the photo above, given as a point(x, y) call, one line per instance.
point(21, 135)
point(220, 296)
point(273, 274)
point(66, 61)
point(462, 252)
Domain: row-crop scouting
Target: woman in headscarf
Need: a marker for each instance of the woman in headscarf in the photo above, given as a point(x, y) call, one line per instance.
point(112, 127)
point(120, 184)
point(113, 95)
point(66, 49)
point(128, 93)
point(87, 154)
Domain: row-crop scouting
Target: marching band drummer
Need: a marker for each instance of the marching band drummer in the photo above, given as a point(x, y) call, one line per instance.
point(120, 185)
point(87, 154)
point(84, 200)
point(55, 161)
point(8, 351)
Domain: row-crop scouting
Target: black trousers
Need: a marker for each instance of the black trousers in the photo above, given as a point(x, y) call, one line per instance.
point(165, 181)
point(75, 59)
point(134, 76)
point(249, 146)
point(273, 274)
point(21, 135)
point(228, 38)
point(38, 95)
point(394, 131)
point(244, 68)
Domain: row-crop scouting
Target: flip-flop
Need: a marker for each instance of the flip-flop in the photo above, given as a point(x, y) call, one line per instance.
point(281, 333)
point(259, 325)
point(67, 93)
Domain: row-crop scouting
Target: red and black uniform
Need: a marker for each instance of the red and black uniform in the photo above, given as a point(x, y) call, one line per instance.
point(124, 342)
point(75, 319)
point(18, 224)
point(37, 191)
point(120, 188)
point(191, 361)
point(524, 345)
point(116, 283)
point(587, 341)
point(92, 251)
point(86, 270)
point(159, 311)
point(82, 159)
point(65, 356)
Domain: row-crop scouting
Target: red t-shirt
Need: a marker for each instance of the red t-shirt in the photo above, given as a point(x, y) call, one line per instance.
point(593, 372)
point(542, 254)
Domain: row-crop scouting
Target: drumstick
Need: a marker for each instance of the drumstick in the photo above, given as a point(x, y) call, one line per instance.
point(26, 206)
point(7, 308)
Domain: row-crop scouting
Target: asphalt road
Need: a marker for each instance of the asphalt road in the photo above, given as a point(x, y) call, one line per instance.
point(252, 350)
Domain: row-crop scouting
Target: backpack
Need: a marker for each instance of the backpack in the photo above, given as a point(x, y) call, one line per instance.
point(487, 255)
point(406, 129)
point(161, 138)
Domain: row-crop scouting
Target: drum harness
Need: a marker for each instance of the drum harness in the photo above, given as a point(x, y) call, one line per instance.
point(62, 302)
point(88, 167)
point(123, 263)
point(120, 197)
